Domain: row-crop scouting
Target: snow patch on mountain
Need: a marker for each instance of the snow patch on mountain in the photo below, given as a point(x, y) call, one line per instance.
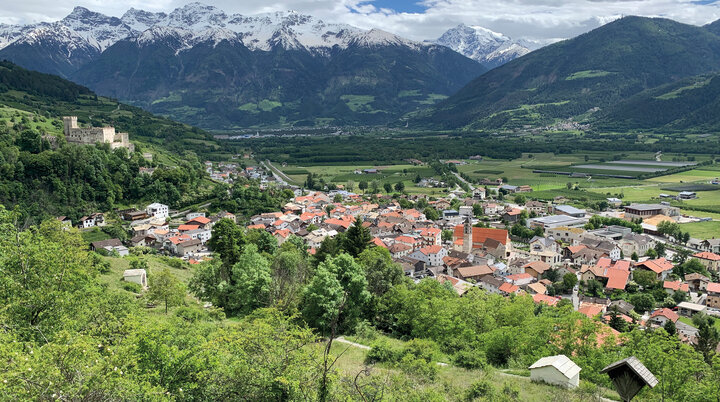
point(481, 44)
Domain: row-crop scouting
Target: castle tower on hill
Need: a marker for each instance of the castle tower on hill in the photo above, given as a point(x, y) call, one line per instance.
point(92, 135)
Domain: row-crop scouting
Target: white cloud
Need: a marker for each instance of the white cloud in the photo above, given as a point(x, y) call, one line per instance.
point(531, 19)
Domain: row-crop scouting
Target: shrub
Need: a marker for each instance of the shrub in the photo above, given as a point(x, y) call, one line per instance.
point(132, 287)
point(382, 351)
point(470, 359)
point(419, 367)
point(480, 389)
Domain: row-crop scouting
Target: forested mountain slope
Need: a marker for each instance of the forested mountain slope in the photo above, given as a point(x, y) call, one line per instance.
point(570, 78)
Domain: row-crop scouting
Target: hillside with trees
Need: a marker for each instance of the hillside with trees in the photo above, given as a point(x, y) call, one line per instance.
point(581, 75)
point(74, 179)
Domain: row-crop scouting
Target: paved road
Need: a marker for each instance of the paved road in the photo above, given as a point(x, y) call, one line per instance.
point(277, 173)
point(464, 181)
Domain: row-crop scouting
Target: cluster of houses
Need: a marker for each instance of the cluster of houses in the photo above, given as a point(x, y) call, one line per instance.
point(454, 249)
point(228, 172)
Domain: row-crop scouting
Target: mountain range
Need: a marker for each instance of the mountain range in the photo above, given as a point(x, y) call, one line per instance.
point(592, 78)
point(201, 66)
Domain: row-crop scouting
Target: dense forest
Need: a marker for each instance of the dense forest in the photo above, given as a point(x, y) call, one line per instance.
point(275, 312)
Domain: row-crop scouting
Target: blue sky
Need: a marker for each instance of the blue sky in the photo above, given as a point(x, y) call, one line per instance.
point(400, 6)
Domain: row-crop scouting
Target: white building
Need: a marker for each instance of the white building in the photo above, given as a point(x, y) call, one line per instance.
point(557, 370)
point(430, 255)
point(158, 210)
point(138, 276)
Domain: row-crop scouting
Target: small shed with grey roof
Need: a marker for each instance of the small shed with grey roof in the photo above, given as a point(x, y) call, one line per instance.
point(629, 375)
point(557, 370)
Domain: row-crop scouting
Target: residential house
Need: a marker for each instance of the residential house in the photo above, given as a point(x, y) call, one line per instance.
point(158, 210)
point(711, 261)
point(607, 247)
point(492, 208)
point(430, 255)
point(713, 295)
point(512, 215)
point(567, 235)
point(189, 247)
point(431, 236)
point(398, 250)
point(479, 193)
point(458, 284)
point(621, 306)
point(520, 279)
point(536, 269)
point(660, 266)
point(536, 288)
point(65, 222)
point(111, 245)
point(674, 286)
point(96, 219)
point(491, 284)
point(536, 207)
point(688, 309)
point(661, 316)
point(542, 298)
point(697, 282)
point(506, 289)
point(473, 273)
point(545, 249)
point(635, 244)
point(711, 245)
point(134, 215)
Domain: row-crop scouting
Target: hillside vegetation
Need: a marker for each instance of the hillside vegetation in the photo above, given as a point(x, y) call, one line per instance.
point(573, 77)
point(75, 180)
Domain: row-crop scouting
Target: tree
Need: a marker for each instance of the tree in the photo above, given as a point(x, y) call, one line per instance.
point(431, 213)
point(670, 327)
point(337, 292)
point(380, 270)
point(651, 253)
point(375, 186)
point(388, 187)
point(446, 235)
point(660, 249)
point(642, 301)
point(399, 186)
point(634, 256)
point(166, 288)
point(310, 181)
point(617, 322)
point(520, 199)
point(227, 241)
point(265, 242)
point(708, 335)
point(363, 185)
point(477, 210)
point(252, 282)
point(569, 281)
point(644, 278)
point(357, 238)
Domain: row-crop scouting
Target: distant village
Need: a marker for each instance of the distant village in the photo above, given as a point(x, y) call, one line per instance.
point(471, 245)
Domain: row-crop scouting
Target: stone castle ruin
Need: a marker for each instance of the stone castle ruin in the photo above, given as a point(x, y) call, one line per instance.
point(92, 135)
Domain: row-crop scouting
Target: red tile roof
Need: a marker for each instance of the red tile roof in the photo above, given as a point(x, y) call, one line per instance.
point(706, 255)
point(200, 219)
point(617, 278)
point(431, 250)
point(258, 226)
point(480, 235)
point(185, 228)
point(549, 300)
point(665, 312)
point(508, 288)
point(378, 242)
point(590, 309)
point(658, 266)
point(676, 285)
point(519, 277)
point(713, 287)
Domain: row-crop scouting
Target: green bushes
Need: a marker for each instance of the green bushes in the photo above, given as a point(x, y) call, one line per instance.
point(132, 287)
point(417, 357)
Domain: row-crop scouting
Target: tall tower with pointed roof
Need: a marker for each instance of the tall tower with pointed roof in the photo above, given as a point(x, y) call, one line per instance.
point(467, 236)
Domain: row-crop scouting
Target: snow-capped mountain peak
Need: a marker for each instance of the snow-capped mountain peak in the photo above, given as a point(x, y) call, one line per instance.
point(482, 44)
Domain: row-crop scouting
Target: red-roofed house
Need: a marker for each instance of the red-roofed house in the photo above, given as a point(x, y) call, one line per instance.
point(536, 268)
point(617, 279)
point(187, 228)
point(520, 279)
point(660, 266)
point(508, 289)
point(672, 287)
point(379, 243)
point(549, 300)
point(663, 315)
point(259, 226)
point(398, 250)
point(409, 241)
point(713, 295)
point(282, 235)
point(430, 255)
point(591, 309)
point(711, 261)
point(431, 236)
